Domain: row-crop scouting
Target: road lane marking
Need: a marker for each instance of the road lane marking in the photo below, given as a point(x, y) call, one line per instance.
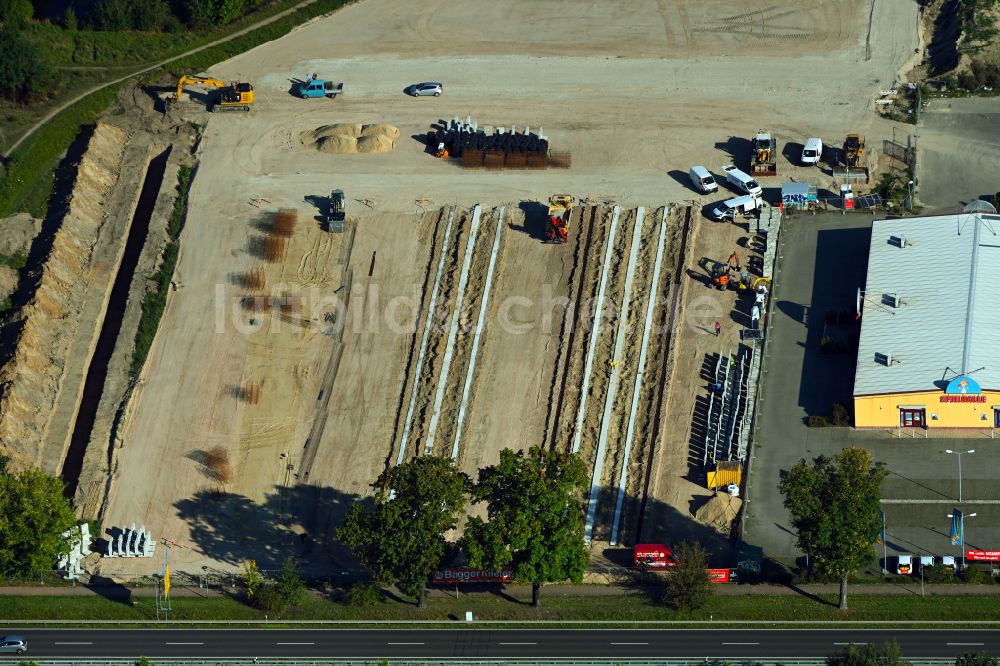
point(404, 643)
point(963, 643)
point(854, 643)
point(741, 643)
point(295, 644)
point(73, 643)
point(185, 643)
point(630, 643)
point(518, 643)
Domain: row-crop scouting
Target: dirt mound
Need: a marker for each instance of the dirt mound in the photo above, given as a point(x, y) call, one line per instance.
point(719, 512)
point(347, 138)
point(30, 381)
point(344, 129)
point(8, 281)
point(17, 232)
point(377, 143)
point(388, 130)
point(338, 144)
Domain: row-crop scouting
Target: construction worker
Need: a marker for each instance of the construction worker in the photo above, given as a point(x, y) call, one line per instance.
point(718, 329)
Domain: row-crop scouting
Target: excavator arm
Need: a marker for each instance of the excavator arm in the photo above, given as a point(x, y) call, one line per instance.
point(196, 80)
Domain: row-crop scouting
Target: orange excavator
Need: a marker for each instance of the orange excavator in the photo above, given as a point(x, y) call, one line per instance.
point(720, 272)
point(560, 206)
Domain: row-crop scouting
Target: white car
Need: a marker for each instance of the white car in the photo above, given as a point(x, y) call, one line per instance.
point(425, 89)
point(948, 562)
point(904, 565)
point(925, 562)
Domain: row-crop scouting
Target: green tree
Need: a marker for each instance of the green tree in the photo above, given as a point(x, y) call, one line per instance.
point(16, 12)
point(834, 504)
point(688, 587)
point(976, 659)
point(227, 11)
point(401, 538)
point(290, 583)
point(535, 506)
point(24, 71)
point(112, 15)
point(34, 513)
point(150, 15)
point(198, 13)
point(869, 655)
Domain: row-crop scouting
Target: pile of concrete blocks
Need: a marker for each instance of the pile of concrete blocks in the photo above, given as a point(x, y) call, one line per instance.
point(130, 542)
point(69, 565)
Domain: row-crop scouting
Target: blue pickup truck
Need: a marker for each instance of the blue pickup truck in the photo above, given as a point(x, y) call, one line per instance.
point(319, 88)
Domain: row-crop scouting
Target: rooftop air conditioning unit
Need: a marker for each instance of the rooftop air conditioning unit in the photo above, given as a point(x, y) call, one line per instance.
point(898, 241)
point(883, 359)
point(893, 301)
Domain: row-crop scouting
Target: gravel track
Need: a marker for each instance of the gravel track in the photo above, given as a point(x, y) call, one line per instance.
point(431, 236)
point(427, 382)
point(466, 329)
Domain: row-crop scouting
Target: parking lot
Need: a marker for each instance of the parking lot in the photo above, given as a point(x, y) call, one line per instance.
point(822, 261)
point(958, 136)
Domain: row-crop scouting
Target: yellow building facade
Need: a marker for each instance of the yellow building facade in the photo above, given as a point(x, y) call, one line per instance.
point(929, 409)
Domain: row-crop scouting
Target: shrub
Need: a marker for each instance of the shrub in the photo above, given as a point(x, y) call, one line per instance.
point(938, 574)
point(16, 12)
point(364, 595)
point(816, 421)
point(269, 599)
point(973, 574)
point(839, 415)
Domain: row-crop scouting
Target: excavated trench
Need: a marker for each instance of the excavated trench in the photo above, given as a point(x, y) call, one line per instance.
point(111, 326)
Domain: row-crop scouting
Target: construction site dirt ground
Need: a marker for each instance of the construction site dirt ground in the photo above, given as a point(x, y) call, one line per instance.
point(636, 93)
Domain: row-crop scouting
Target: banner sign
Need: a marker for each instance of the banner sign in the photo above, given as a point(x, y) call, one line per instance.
point(956, 527)
point(457, 575)
point(722, 575)
point(983, 555)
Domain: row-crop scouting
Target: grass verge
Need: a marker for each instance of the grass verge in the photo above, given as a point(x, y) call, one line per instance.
point(620, 609)
point(155, 300)
point(27, 183)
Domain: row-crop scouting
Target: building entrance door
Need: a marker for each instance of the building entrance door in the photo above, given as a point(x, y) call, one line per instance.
point(912, 418)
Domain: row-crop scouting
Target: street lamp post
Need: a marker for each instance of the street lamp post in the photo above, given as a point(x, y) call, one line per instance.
point(910, 186)
point(961, 529)
point(959, 454)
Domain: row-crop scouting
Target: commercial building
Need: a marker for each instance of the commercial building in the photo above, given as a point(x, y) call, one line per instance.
point(929, 348)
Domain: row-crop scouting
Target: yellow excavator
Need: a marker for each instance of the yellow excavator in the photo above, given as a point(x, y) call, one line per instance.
point(231, 96)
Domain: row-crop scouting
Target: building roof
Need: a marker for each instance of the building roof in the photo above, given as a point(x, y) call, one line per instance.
point(943, 273)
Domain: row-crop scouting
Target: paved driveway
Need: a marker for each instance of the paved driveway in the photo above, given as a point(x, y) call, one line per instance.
point(822, 261)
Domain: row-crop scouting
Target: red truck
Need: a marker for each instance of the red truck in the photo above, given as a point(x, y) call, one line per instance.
point(653, 556)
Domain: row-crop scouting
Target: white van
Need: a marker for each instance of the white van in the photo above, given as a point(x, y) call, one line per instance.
point(812, 152)
point(729, 209)
point(742, 181)
point(702, 180)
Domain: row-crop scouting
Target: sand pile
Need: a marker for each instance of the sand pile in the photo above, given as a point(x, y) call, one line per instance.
point(346, 138)
point(30, 381)
point(376, 143)
point(338, 144)
point(719, 512)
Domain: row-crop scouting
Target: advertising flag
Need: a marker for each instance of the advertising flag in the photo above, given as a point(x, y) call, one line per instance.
point(956, 527)
point(166, 575)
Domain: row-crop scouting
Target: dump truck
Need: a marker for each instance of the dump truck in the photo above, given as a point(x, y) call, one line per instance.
point(764, 160)
point(319, 88)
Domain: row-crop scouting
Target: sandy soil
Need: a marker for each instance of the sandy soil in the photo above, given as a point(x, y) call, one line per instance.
point(636, 93)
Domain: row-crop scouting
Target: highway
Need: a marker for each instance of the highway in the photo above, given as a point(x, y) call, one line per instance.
point(618, 644)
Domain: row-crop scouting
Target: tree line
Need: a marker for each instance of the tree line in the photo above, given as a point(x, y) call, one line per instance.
point(534, 522)
point(29, 63)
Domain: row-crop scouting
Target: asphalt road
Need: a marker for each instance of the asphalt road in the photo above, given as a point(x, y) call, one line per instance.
point(493, 643)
